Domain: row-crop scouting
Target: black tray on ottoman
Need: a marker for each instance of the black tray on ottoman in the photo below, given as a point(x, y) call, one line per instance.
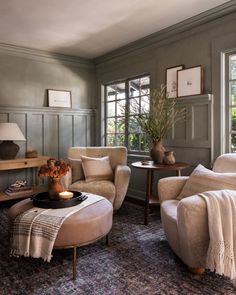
point(42, 200)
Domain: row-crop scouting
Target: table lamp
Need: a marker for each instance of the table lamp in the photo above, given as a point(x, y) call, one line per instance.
point(8, 133)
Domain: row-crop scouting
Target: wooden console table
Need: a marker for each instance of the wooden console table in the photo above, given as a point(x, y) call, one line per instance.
point(151, 168)
point(21, 163)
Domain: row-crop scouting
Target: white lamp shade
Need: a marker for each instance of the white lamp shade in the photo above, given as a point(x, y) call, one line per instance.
point(10, 131)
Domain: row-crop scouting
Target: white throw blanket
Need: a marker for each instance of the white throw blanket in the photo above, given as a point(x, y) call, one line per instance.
point(34, 231)
point(221, 255)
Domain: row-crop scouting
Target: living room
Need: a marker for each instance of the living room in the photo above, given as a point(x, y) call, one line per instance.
point(55, 46)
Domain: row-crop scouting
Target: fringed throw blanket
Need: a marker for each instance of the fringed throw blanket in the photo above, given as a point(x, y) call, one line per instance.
point(34, 232)
point(221, 255)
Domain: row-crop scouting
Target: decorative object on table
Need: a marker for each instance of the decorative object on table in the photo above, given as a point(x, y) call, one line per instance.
point(66, 195)
point(31, 154)
point(8, 133)
point(54, 169)
point(19, 188)
point(169, 158)
point(42, 200)
point(59, 98)
point(190, 81)
point(145, 162)
point(171, 80)
point(156, 123)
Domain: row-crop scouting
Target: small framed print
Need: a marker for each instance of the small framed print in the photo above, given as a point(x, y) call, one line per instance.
point(59, 98)
point(171, 80)
point(190, 81)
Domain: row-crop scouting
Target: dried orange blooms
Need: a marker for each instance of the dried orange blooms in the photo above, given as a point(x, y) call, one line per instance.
point(54, 168)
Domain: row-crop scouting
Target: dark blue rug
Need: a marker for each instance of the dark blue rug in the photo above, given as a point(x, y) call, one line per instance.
point(137, 261)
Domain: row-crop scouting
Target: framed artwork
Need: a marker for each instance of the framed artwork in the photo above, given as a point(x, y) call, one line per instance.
point(59, 98)
point(171, 80)
point(190, 81)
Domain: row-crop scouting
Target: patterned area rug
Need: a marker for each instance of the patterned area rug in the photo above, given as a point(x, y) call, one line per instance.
point(137, 261)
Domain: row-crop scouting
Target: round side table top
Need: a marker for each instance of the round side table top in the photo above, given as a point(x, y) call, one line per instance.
point(151, 165)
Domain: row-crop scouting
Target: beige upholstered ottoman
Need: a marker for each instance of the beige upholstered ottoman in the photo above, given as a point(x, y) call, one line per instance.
point(81, 228)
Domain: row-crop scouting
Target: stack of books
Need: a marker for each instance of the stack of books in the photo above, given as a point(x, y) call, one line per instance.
point(13, 190)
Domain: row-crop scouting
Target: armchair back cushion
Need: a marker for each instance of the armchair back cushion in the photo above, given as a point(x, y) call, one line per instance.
point(97, 168)
point(117, 155)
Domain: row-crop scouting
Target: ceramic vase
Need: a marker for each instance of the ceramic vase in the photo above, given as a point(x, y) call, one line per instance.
point(157, 152)
point(54, 188)
point(169, 158)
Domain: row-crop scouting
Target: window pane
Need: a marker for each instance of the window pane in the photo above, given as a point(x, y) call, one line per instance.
point(111, 140)
point(233, 143)
point(134, 106)
point(134, 87)
point(134, 142)
point(120, 108)
point(232, 92)
point(232, 67)
point(133, 125)
point(144, 142)
point(145, 85)
point(233, 119)
point(120, 125)
point(120, 90)
point(120, 139)
point(111, 125)
point(145, 104)
point(111, 94)
point(111, 109)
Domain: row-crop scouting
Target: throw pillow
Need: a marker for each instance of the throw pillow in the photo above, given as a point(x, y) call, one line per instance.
point(77, 169)
point(203, 179)
point(97, 168)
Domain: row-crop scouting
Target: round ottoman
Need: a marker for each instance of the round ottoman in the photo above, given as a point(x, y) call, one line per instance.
point(81, 228)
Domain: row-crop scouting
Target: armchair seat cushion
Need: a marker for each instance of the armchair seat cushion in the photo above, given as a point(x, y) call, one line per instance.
point(103, 188)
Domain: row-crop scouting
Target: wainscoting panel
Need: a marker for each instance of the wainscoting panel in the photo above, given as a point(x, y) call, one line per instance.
point(50, 131)
point(196, 130)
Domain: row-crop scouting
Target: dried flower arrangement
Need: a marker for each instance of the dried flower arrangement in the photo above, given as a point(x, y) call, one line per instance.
point(54, 168)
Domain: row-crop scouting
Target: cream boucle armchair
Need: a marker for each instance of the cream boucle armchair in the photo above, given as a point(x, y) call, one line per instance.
point(114, 190)
point(185, 221)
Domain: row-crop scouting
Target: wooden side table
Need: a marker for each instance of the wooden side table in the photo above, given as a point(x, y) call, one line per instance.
point(151, 168)
point(22, 163)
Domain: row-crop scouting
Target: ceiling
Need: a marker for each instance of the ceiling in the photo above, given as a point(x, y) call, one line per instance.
point(90, 28)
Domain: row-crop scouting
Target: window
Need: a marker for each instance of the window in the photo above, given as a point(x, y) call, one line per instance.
point(231, 100)
point(120, 125)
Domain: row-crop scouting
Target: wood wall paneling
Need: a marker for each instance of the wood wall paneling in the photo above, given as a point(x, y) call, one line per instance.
point(50, 131)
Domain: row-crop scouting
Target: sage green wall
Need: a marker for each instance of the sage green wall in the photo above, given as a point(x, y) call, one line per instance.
point(26, 74)
point(197, 41)
point(191, 46)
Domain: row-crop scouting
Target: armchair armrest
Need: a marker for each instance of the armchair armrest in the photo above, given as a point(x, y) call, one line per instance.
point(193, 230)
point(67, 179)
point(170, 187)
point(121, 181)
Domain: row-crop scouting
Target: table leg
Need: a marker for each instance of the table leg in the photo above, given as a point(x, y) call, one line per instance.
point(178, 172)
point(107, 240)
point(74, 263)
point(148, 195)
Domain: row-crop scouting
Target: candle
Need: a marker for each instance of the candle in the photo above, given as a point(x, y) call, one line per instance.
point(66, 195)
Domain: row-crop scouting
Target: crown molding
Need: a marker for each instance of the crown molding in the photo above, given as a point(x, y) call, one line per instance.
point(44, 56)
point(161, 36)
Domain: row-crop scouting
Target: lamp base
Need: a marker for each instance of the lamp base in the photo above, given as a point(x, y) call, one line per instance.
point(8, 150)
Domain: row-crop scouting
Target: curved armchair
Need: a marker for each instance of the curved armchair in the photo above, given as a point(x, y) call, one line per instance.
point(185, 221)
point(114, 190)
